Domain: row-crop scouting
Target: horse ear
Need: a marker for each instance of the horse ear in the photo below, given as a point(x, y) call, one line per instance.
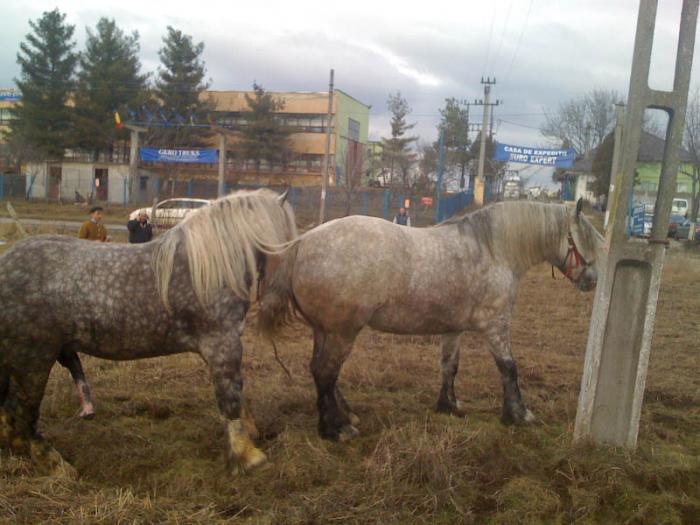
point(283, 198)
point(579, 206)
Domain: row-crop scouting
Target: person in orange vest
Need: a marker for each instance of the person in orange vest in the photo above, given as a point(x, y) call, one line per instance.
point(93, 229)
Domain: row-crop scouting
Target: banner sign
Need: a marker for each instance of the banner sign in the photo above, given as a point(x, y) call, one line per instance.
point(11, 96)
point(180, 156)
point(638, 220)
point(426, 201)
point(557, 158)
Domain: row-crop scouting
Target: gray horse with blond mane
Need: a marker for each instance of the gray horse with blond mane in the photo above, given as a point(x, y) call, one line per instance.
point(187, 291)
point(460, 275)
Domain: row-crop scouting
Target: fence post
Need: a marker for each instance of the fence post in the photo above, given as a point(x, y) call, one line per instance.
point(189, 188)
point(293, 197)
point(2, 185)
point(365, 203)
point(386, 204)
point(126, 193)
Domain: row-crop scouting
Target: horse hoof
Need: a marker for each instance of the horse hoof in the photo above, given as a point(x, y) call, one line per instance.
point(253, 458)
point(347, 433)
point(48, 461)
point(529, 417)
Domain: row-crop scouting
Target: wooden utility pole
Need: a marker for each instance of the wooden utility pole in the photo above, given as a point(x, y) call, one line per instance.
point(479, 185)
point(133, 159)
point(326, 157)
point(615, 167)
point(222, 165)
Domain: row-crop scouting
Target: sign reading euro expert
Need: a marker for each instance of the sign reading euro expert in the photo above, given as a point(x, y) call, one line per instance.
point(557, 158)
point(180, 156)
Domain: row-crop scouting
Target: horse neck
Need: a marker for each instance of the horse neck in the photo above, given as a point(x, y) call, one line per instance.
point(526, 234)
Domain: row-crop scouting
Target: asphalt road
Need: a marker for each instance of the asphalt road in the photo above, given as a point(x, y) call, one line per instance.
point(69, 225)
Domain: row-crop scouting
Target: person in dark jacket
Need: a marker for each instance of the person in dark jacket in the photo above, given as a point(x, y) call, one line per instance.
point(140, 229)
point(402, 218)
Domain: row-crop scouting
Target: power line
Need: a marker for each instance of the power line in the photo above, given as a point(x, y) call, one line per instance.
point(505, 26)
point(488, 47)
point(520, 41)
point(518, 124)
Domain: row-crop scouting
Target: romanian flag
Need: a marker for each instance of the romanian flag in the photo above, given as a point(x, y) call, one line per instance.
point(118, 120)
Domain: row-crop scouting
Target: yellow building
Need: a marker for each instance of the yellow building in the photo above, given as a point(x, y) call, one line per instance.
point(307, 114)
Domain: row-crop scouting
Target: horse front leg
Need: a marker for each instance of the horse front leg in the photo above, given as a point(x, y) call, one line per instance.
point(223, 353)
point(514, 410)
point(69, 359)
point(449, 364)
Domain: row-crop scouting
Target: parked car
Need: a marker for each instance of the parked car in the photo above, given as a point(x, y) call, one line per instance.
point(679, 207)
point(673, 223)
point(683, 229)
point(171, 211)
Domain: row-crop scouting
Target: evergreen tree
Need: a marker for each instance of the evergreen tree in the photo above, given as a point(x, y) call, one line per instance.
point(109, 81)
point(455, 124)
point(396, 151)
point(265, 138)
point(179, 87)
point(47, 61)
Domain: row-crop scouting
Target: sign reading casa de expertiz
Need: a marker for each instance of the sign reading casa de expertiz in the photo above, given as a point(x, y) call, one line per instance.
point(187, 156)
point(557, 158)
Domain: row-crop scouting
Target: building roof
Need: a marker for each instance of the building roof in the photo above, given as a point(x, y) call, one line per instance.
point(651, 149)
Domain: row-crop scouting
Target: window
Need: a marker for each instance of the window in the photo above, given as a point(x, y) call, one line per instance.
point(353, 130)
point(682, 187)
point(647, 185)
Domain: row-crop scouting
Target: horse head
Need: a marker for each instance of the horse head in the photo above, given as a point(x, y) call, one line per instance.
point(581, 250)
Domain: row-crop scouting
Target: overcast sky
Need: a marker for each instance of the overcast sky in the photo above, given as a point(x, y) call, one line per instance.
point(541, 52)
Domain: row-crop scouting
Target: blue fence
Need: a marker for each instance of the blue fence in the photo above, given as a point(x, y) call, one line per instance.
point(451, 204)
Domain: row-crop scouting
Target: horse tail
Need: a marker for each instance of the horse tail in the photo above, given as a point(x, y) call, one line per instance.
point(278, 306)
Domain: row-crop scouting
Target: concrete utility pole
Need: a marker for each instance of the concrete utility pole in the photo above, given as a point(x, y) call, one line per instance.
point(479, 185)
point(326, 157)
point(221, 190)
point(619, 337)
point(615, 167)
point(133, 159)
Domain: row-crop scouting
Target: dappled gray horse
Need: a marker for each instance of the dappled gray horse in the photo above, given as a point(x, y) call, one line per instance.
point(187, 291)
point(460, 275)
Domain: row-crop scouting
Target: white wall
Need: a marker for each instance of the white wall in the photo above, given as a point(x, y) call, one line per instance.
point(581, 182)
point(79, 176)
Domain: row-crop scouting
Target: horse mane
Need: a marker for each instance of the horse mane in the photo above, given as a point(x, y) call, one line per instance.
point(524, 232)
point(221, 242)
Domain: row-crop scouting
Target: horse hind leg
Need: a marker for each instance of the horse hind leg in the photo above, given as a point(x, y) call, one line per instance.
point(449, 364)
point(69, 359)
point(330, 352)
point(20, 415)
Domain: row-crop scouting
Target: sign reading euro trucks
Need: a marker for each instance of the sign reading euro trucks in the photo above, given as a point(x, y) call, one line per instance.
point(180, 156)
point(556, 158)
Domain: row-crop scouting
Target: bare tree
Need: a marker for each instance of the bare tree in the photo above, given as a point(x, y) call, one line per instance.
point(352, 159)
point(583, 121)
point(691, 142)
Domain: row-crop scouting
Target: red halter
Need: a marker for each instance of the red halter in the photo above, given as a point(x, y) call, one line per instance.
point(572, 261)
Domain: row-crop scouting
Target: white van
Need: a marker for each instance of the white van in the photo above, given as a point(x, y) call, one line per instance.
point(679, 207)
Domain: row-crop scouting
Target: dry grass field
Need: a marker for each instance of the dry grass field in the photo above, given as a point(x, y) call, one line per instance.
point(155, 451)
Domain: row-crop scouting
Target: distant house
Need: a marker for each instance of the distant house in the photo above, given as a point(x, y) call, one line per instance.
point(651, 151)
